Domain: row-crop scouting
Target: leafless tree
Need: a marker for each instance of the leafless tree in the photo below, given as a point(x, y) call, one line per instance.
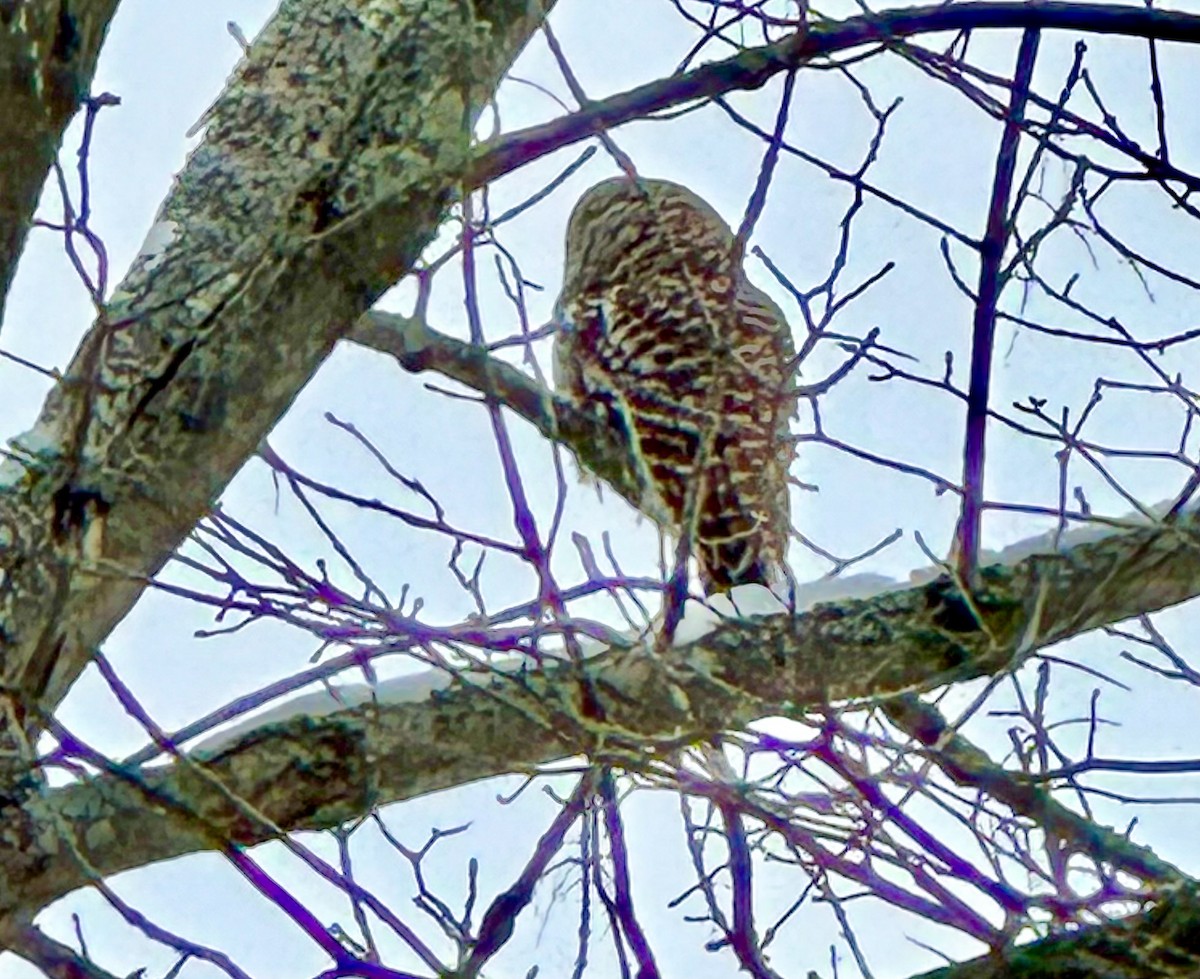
point(914, 752)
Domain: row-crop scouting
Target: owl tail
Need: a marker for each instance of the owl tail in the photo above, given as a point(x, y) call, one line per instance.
point(727, 564)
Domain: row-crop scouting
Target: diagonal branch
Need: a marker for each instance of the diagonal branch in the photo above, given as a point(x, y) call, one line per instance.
point(598, 445)
point(1162, 943)
point(311, 194)
point(754, 67)
point(968, 766)
point(53, 958)
point(48, 53)
point(315, 772)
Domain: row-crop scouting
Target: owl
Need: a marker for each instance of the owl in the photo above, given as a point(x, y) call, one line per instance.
point(660, 331)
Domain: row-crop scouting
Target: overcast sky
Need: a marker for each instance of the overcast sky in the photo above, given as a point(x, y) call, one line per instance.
point(168, 61)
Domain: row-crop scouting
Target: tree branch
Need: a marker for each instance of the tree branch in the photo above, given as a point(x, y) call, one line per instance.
point(310, 773)
point(53, 958)
point(311, 194)
point(48, 55)
point(1163, 943)
point(598, 445)
point(968, 766)
point(754, 67)
point(987, 297)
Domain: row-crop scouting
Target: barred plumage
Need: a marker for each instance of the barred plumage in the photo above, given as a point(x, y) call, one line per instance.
point(660, 327)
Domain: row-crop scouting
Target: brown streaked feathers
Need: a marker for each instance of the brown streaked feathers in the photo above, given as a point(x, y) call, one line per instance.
point(660, 328)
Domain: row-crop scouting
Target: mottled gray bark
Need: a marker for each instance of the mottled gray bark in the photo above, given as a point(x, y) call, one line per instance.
point(48, 51)
point(314, 191)
point(327, 166)
point(315, 773)
point(1163, 943)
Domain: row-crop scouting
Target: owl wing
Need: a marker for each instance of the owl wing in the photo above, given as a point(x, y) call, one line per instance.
point(746, 521)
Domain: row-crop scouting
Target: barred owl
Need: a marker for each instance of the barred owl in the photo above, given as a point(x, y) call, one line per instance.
point(659, 329)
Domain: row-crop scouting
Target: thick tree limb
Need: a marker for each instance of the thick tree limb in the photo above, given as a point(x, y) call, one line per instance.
point(56, 960)
point(1162, 943)
point(328, 164)
point(315, 773)
point(48, 51)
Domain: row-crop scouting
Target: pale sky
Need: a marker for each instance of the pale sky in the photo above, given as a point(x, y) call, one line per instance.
point(168, 61)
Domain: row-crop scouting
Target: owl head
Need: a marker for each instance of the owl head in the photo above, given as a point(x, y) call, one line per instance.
point(623, 220)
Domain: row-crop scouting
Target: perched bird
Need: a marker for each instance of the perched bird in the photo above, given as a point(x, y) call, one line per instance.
point(659, 328)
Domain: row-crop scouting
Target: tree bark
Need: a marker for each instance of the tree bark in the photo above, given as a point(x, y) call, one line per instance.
point(308, 773)
point(48, 51)
point(314, 191)
point(327, 166)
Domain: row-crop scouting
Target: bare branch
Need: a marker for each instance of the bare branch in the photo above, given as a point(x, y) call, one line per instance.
point(176, 385)
point(47, 59)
